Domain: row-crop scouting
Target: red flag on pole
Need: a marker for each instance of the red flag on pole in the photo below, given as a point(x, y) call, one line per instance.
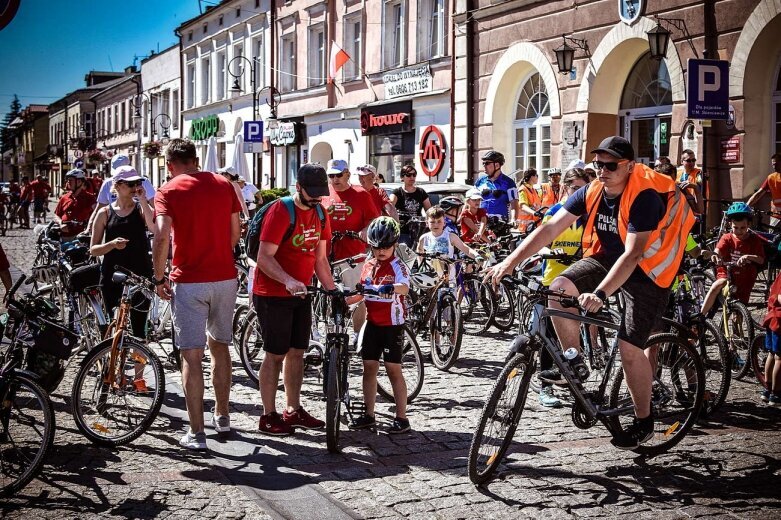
point(337, 60)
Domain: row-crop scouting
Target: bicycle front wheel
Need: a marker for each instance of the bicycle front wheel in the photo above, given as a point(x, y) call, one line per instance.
point(677, 392)
point(113, 408)
point(333, 406)
point(251, 350)
point(26, 431)
point(716, 361)
point(446, 331)
point(477, 303)
point(411, 369)
point(499, 419)
point(759, 355)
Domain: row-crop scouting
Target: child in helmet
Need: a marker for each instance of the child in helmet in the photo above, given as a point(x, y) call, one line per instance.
point(452, 207)
point(383, 332)
point(743, 247)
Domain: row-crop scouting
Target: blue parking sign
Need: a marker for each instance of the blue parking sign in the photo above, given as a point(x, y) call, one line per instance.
point(253, 131)
point(708, 89)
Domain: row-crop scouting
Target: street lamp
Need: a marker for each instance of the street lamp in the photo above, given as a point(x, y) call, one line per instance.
point(165, 124)
point(137, 116)
point(659, 36)
point(565, 54)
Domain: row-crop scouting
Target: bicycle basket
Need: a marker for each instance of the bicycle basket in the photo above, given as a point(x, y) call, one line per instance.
point(49, 368)
point(84, 277)
point(51, 338)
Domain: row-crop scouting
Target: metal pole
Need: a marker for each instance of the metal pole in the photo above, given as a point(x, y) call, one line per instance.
point(253, 84)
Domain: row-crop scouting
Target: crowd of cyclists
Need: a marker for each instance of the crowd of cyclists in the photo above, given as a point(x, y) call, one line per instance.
point(614, 230)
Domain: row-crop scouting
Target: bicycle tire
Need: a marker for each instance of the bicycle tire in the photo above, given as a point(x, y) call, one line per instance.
point(242, 274)
point(675, 408)
point(716, 361)
point(504, 311)
point(41, 423)
point(333, 403)
point(239, 315)
point(504, 420)
point(739, 338)
point(251, 350)
point(411, 368)
point(758, 357)
point(92, 410)
point(478, 304)
point(446, 332)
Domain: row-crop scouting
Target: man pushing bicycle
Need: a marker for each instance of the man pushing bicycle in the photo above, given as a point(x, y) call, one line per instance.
point(637, 222)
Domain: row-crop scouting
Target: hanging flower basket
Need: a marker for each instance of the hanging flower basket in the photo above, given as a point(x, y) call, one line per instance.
point(96, 156)
point(153, 149)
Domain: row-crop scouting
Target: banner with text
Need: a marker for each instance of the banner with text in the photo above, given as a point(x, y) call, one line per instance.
point(409, 81)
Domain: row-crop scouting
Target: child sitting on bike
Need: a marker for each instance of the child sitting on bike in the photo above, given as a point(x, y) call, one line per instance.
point(742, 247)
point(772, 324)
point(473, 219)
point(441, 240)
point(383, 333)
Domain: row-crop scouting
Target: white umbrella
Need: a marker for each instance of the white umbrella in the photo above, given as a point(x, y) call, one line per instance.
point(239, 161)
point(210, 163)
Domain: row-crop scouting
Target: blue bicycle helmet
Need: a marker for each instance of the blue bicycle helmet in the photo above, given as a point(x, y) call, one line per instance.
point(739, 210)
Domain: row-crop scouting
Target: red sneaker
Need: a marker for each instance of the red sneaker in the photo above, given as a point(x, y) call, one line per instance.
point(272, 424)
point(301, 419)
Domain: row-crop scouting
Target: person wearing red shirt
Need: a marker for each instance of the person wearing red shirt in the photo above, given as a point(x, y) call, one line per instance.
point(350, 209)
point(75, 207)
point(772, 325)
point(771, 185)
point(41, 190)
point(285, 267)
point(473, 218)
point(367, 175)
point(201, 210)
point(25, 199)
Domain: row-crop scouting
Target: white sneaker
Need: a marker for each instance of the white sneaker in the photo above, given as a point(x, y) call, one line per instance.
point(221, 423)
point(193, 441)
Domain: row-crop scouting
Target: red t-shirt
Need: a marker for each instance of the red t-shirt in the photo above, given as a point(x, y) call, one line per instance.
point(70, 208)
point(466, 233)
point(41, 189)
point(384, 311)
point(730, 249)
point(27, 193)
point(772, 319)
point(297, 254)
point(380, 198)
point(350, 210)
point(201, 206)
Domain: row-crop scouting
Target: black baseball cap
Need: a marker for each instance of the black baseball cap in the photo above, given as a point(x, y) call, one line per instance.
point(616, 146)
point(313, 179)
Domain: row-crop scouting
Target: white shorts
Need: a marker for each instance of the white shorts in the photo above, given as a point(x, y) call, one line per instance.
point(203, 308)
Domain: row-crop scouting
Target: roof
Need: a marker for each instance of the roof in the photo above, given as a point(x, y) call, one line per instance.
point(210, 9)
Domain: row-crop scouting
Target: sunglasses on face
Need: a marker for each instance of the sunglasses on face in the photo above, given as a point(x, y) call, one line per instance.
point(131, 184)
point(609, 166)
point(335, 175)
point(690, 160)
point(413, 175)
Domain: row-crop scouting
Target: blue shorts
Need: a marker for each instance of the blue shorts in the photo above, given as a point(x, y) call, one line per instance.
point(772, 341)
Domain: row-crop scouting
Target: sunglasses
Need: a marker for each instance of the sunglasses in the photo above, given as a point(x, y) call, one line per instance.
point(335, 175)
point(131, 184)
point(409, 175)
point(690, 160)
point(609, 166)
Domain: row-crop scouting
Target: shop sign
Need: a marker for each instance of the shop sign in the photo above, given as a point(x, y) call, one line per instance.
point(392, 118)
point(432, 150)
point(283, 135)
point(730, 150)
point(204, 128)
point(409, 81)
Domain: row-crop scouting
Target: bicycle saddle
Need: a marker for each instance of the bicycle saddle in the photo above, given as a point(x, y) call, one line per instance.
point(119, 277)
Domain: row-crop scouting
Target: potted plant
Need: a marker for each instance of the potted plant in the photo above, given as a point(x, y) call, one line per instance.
point(96, 156)
point(153, 148)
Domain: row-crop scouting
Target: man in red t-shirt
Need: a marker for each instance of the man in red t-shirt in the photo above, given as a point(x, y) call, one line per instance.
point(25, 199)
point(351, 209)
point(772, 185)
point(75, 207)
point(41, 190)
point(201, 210)
point(285, 267)
point(367, 175)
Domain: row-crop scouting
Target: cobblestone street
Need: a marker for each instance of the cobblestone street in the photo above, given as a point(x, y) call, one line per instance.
point(727, 467)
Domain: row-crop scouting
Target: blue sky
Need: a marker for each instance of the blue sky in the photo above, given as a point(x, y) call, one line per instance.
point(51, 44)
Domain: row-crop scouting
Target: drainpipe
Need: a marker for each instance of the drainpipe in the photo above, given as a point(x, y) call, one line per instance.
point(274, 69)
point(470, 109)
point(452, 175)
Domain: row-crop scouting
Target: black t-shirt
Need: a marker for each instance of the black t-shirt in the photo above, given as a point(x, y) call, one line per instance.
point(646, 212)
point(410, 203)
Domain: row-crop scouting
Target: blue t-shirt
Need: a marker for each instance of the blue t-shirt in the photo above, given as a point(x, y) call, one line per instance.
point(497, 194)
point(450, 225)
point(644, 215)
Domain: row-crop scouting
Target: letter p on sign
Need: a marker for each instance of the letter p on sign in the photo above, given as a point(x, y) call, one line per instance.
point(709, 80)
point(707, 92)
point(253, 131)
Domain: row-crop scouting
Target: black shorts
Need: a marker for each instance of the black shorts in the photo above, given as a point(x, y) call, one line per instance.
point(386, 341)
point(285, 322)
point(645, 302)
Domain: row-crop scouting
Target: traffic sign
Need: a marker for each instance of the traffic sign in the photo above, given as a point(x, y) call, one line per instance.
point(253, 131)
point(708, 92)
point(78, 163)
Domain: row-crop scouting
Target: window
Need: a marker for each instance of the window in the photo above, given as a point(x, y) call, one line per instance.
point(393, 34)
point(175, 109)
point(222, 76)
point(110, 127)
point(287, 63)
point(316, 65)
point(190, 36)
point(431, 34)
point(532, 126)
point(205, 28)
point(239, 65)
point(352, 45)
point(257, 4)
point(122, 115)
point(648, 85)
point(259, 58)
point(219, 21)
point(776, 114)
point(238, 12)
point(190, 85)
point(205, 80)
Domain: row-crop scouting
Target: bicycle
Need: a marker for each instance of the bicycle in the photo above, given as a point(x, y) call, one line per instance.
point(677, 387)
point(736, 325)
point(119, 388)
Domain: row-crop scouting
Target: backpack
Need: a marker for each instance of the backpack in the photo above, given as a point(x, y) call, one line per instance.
point(256, 224)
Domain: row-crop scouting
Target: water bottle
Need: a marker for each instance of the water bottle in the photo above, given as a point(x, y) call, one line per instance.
point(577, 364)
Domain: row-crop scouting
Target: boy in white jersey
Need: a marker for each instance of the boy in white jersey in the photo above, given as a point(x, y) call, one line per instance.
point(441, 240)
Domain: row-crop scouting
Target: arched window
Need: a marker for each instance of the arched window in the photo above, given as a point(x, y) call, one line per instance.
point(776, 103)
point(648, 85)
point(532, 125)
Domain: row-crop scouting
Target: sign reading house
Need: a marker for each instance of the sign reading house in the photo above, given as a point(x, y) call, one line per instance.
point(391, 118)
point(409, 81)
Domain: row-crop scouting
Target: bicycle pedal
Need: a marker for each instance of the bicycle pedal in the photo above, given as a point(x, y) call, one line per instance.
point(357, 408)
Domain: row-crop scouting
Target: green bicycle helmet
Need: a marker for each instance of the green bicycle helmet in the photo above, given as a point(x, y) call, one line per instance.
point(383, 232)
point(739, 210)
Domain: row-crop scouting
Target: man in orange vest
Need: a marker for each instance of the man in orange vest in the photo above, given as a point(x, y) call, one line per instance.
point(550, 191)
point(773, 185)
point(637, 221)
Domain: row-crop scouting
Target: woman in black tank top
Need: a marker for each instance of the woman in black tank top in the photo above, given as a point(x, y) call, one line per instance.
point(119, 236)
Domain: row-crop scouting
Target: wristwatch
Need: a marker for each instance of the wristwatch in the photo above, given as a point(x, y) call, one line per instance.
point(601, 294)
point(161, 281)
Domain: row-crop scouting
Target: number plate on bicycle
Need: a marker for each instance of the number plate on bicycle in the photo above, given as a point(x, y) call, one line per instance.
point(534, 285)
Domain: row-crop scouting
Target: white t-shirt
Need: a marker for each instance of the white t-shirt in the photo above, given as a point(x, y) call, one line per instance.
point(249, 191)
point(105, 196)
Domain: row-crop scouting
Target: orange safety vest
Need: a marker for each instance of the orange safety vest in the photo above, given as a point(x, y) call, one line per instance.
point(549, 196)
point(666, 245)
point(774, 185)
point(534, 200)
point(694, 178)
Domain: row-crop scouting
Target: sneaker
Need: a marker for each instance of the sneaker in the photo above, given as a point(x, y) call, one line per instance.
point(221, 423)
point(301, 419)
point(399, 426)
point(193, 441)
point(272, 424)
point(552, 376)
point(547, 398)
point(640, 431)
point(774, 400)
point(765, 396)
point(364, 421)
point(140, 386)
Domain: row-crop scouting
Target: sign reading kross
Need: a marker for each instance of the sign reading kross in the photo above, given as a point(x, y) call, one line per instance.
point(432, 151)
